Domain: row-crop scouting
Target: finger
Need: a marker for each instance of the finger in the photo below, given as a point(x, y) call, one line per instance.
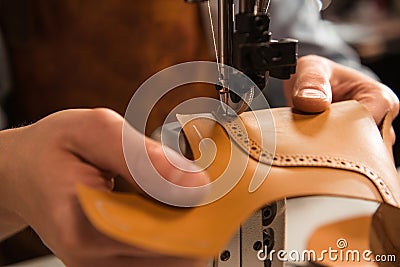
point(173, 167)
point(377, 98)
point(152, 164)
point(99, 141)
point(309, 89)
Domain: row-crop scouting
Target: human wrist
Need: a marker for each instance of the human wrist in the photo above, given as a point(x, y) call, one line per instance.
point(10, 220)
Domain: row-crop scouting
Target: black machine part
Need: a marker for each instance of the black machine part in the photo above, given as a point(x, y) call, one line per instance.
point(252, 49)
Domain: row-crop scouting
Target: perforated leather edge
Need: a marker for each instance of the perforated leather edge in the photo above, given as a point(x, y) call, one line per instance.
point(235, 129)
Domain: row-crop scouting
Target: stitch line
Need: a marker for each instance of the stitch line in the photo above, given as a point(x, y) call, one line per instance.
point(252, 148)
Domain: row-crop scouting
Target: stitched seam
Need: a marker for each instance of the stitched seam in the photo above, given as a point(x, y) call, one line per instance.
point(239, 135)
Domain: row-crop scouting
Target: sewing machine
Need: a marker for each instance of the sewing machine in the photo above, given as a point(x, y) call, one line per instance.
point(245, 43)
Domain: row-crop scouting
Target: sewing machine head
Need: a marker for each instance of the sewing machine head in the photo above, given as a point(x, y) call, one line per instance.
point(245, 43)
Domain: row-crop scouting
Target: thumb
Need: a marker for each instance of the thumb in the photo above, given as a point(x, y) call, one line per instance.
point(309, 90)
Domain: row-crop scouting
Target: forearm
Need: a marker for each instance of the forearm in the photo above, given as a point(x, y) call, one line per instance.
point(10, 221)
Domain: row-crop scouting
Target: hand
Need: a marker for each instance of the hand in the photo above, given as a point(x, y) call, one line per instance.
point(320, 81)
point(40, 166)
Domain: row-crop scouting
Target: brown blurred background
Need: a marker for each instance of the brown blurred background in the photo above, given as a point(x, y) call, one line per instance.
point(372, 28)
point(95, 53)
point(92, 53)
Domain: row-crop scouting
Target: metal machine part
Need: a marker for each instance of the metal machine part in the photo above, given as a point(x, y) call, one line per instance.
point(245, 43)
point(262, 232)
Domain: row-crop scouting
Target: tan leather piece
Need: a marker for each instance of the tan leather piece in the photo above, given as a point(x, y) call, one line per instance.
point(330, 136)
point(345, 131)
point(385, 233)
point(354, 231)
point(309, 136)
point(386, 133)
point(378, 233)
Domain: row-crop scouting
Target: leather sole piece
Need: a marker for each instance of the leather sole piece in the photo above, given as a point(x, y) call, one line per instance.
point(336, 153)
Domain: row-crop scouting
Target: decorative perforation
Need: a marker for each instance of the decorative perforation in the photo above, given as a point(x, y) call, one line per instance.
point(238, 133)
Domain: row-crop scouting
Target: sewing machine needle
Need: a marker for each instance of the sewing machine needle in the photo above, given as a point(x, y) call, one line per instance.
point(223, 92)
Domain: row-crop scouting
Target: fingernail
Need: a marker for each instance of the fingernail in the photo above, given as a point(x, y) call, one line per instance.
point(311, 93)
